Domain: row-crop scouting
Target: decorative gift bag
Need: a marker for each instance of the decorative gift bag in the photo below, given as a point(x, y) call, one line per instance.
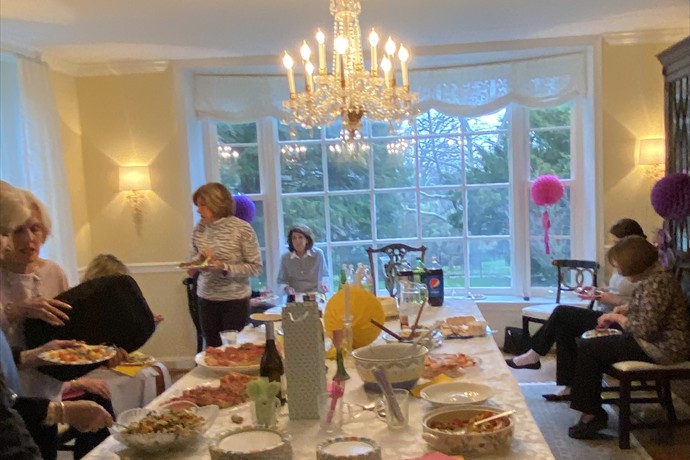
point(305, 371)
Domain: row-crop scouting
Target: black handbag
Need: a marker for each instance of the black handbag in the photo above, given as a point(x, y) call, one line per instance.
point(109, 310)
point(515, 342)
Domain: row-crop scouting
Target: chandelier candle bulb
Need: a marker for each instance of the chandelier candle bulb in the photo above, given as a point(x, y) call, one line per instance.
point(404, 55)
point(386, 66)
point(305, 51)
point(309, 77)
point(288, 63)
point(374, 41)
point(321, 40)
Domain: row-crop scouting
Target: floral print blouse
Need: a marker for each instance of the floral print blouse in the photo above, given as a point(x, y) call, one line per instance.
point(659, 318)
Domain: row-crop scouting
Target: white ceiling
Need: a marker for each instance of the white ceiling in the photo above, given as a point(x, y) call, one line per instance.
point(101, 31)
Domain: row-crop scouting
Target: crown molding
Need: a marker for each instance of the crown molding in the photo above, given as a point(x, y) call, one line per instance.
point(100, 69)
point(642, 37)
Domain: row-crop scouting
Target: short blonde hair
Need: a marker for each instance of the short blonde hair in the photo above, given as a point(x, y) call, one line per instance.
point(39, 208)
point(632, 255)
point(105, 265)
point(14, 208)
point(216, 197)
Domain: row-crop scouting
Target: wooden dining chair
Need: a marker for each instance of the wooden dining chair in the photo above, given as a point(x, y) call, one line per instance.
point(637, 376)
point(395, 252)
point(571, 274)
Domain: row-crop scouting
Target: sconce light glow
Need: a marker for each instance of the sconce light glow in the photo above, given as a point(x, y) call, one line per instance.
point(133, 178)
point(652, 156)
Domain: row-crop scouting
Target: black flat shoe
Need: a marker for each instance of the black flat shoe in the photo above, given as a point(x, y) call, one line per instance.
point(589, 430)
point(556, 397)
point(512, 364)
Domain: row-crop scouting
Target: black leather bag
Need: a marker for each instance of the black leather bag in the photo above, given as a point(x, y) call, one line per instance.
point(514, 341)
point(110, 310)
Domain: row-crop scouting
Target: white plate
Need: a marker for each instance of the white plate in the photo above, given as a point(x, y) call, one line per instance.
point(251, 369)
point(600, 333)
point(352, 447)
point(51, 356)
point(457, 393)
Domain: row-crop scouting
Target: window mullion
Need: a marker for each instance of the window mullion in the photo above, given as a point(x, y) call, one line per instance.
point(519, 164)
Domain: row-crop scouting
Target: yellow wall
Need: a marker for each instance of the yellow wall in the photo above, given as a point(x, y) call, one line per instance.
point(633, 109)
point(131, 119)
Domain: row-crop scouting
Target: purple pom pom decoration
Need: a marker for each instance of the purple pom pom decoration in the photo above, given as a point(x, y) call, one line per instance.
point(671, 196)
point(546, 190)
point(244, 208)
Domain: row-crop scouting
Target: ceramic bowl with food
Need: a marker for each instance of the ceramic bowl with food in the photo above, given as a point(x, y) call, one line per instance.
point(403, 363)
point(153, 431)
point(450, 430)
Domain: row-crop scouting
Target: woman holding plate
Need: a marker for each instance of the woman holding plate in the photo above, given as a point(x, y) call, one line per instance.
point(225, 250)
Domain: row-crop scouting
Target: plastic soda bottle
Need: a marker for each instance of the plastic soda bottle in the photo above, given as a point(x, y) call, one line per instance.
point(434, 283)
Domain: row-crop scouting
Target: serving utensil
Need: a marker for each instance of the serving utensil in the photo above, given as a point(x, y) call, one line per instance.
point(388, 331)
point(493, 417)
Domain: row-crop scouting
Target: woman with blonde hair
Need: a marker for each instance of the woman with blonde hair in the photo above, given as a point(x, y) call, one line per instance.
point(225, 251)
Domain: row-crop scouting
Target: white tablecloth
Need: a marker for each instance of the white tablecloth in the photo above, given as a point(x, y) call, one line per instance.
point(528, 442)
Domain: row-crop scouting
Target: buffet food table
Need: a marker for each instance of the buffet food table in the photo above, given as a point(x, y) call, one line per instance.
point(528, 442)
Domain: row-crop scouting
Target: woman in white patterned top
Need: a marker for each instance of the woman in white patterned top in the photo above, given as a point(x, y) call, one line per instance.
point(225, 250)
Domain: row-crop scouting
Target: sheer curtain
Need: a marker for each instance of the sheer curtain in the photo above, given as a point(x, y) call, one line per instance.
point(32, 155)
point(468, 91)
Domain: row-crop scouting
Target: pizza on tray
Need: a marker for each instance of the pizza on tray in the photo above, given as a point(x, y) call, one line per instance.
point(79, 354)
point(230, 392)
point(247, 354)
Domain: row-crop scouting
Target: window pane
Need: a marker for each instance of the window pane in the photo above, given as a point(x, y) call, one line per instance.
point(290, 133)
point(305, 175)
point(239, 168)
point(492, 122)
point(396, 215)
point(236, 133)
point(488, 211)
point(393, 169)
point(309, 211)
point(543, 273)
point(259, 283)
point(350, 217)
point(433, 122)
point(258, 223)
point(550, 142)
point(439, 161)
point(346, 172)
point(487, 162)
point(350, 255)
point(442, 213)
point(451, 256)
point(489, 263)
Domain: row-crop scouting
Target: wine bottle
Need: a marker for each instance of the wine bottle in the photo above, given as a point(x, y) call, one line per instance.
point(271, 363)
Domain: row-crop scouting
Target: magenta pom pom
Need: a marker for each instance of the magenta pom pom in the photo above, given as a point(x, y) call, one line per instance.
point(244, 208)
point(671, 196)
point(547, 190)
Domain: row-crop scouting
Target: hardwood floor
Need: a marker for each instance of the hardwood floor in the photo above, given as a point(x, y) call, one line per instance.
point(660, 443)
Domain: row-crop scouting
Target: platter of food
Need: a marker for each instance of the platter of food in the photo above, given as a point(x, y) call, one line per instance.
point(229, 391)
point(464, 327)
point(244, 358)
point(153, 431)
point(600, 333)
point(137, 358)
point(79, 354)
point(452, 364)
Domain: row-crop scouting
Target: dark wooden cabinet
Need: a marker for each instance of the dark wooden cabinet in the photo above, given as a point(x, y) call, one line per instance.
point(676, 67)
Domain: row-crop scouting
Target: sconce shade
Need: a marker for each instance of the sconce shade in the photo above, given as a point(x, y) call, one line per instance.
point(652, 152)
point(134, 178)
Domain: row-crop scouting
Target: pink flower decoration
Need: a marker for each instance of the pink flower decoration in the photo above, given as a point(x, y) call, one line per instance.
point(547, 190)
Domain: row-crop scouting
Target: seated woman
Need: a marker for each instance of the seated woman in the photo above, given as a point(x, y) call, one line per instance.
point(655, 330)
point(567, 323)
point(303, 269)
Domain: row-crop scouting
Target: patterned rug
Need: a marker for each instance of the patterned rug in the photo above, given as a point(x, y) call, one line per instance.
point(554, 418)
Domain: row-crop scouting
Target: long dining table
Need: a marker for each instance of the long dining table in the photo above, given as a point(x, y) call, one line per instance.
point(528, 442)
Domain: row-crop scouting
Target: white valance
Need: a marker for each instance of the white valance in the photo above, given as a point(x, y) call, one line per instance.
point(461, 91)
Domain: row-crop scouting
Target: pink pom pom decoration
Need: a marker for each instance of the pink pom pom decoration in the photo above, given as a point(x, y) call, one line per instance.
point(546, 190)
point(671, 196)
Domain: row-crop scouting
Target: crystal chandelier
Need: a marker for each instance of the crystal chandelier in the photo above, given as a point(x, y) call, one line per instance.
point(349, 92)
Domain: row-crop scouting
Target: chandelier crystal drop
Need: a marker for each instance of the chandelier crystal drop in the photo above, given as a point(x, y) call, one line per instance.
point(349, 92)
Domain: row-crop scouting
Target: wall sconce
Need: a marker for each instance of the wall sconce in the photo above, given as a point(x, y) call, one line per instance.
point(134, 180)
point(652, 156)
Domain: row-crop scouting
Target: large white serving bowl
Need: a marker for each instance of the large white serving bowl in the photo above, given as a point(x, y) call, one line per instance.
point(457, 393)
point(463, 442)
point(154, 442)
point(403, 363)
